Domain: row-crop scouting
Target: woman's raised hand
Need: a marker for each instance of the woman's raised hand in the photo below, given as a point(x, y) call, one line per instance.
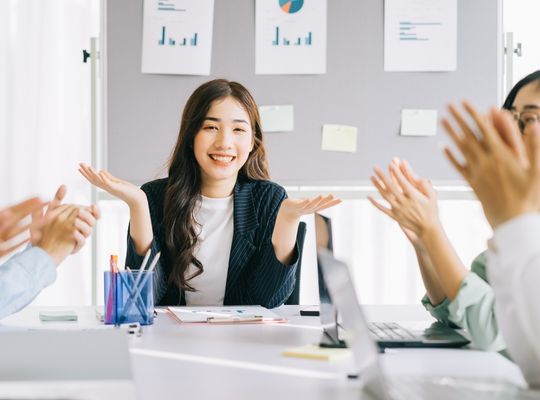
point(412, 200)
point(293, 209)
point(119, 188)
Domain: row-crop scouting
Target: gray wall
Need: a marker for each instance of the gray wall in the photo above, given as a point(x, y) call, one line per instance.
point(144, 110)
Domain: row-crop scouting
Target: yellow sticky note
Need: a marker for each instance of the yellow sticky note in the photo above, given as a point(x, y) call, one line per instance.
point(339, 138)
point(314, 352)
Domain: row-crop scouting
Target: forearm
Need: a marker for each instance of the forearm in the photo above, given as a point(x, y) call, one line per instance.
point(434, 291)
point(22, 277)
point(444, 260)
point(140, 228)
point(284, 238)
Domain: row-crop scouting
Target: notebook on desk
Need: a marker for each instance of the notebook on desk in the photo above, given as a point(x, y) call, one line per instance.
point(387, 334)
point(225, 315)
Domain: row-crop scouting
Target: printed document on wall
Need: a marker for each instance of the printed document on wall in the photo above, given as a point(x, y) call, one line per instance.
point(420, 35)
point(290, 37)
point(177, 37)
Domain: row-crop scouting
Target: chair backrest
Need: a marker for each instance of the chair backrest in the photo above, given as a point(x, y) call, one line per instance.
point(294, 298)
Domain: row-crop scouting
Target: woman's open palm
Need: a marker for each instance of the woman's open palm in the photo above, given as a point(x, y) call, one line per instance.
point(119, 188)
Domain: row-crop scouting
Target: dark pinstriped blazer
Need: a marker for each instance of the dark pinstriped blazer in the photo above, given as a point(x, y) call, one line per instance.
point(255, 275)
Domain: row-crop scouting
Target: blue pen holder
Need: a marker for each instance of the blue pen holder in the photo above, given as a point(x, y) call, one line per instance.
point(123, 302)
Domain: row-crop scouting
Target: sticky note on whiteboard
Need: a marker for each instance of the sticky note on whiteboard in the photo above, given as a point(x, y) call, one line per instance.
point(418, 122)
point(277, 118)
point(339, 138)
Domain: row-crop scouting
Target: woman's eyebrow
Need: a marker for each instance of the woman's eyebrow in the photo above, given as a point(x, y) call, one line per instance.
point(243, 121)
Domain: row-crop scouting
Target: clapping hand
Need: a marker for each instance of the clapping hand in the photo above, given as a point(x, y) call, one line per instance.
point(412, 200)
point(11, 223)
point(502, 168)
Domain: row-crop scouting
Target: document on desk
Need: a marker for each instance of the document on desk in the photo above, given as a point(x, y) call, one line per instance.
point(225, 315)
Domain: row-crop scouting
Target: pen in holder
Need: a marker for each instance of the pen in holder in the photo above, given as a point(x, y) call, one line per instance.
point(129, 297)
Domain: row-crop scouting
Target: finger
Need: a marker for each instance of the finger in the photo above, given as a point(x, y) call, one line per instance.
point(321, 204)
point(382, 190)
point(87, 217)
point(58, 197)
point(380, 207)
point(330, 204)
point(427, 188)
point(409, 173)
point(471, 139)
point(405, 185)
point(4, 251)
point(314, 202)
point(95, 211)
point(411, 176)
point(533, 148)
point(21, 210)
point(91, 175)
point(490, 137)
point(390, 186)
point(68, 214)
point(108, 176)
point(83, 227)
point(509, 133)
point(80, 241)
point(462, 169)
point(458, 140)
point(14, 231)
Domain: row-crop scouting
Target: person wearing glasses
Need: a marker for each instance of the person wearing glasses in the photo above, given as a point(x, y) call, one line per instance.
point(454, 295)
point(502, 166)
point(53, 235)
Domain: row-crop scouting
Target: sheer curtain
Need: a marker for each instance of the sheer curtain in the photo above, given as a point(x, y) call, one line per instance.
point(45, 115)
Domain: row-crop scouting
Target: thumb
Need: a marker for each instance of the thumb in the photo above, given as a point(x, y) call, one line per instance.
point(58, 197)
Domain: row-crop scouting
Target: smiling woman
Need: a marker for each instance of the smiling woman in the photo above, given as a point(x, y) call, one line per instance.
point(226, 232)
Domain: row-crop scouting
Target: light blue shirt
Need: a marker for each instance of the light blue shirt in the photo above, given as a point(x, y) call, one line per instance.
point(22, 277)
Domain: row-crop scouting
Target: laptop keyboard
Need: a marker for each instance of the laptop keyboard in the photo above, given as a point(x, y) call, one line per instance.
point(390, 331)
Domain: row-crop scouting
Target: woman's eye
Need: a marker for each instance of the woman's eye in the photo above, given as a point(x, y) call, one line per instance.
point(239, 130)
point(210, 127)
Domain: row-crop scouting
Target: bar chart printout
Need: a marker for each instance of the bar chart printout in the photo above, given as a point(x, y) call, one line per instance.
point(177, 36)
point(420, 35)
point(290, 37)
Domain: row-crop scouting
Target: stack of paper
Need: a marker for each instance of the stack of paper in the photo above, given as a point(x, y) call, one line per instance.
point(229, 314)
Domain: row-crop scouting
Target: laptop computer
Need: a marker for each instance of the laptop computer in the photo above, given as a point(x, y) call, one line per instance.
point(375, 383)
point(386, 334)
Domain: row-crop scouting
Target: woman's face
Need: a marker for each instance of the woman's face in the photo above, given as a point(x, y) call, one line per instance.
point(224, 141)
point(526, 107)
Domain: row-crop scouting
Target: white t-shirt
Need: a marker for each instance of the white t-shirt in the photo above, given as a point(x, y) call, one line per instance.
point(215, 239)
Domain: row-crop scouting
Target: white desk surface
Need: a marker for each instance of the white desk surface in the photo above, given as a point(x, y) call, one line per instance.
point(172, 360)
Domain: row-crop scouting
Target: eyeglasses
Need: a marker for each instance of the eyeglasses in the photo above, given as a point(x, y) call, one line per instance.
point(526, 118)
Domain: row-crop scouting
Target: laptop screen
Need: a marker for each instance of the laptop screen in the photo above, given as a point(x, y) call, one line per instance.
point(341, 288)
point(328, 313)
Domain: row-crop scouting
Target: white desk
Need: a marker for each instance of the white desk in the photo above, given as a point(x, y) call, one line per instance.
point(172, 361)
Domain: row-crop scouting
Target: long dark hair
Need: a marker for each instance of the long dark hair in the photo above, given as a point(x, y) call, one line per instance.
point(183, 190)
point(509, 102)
